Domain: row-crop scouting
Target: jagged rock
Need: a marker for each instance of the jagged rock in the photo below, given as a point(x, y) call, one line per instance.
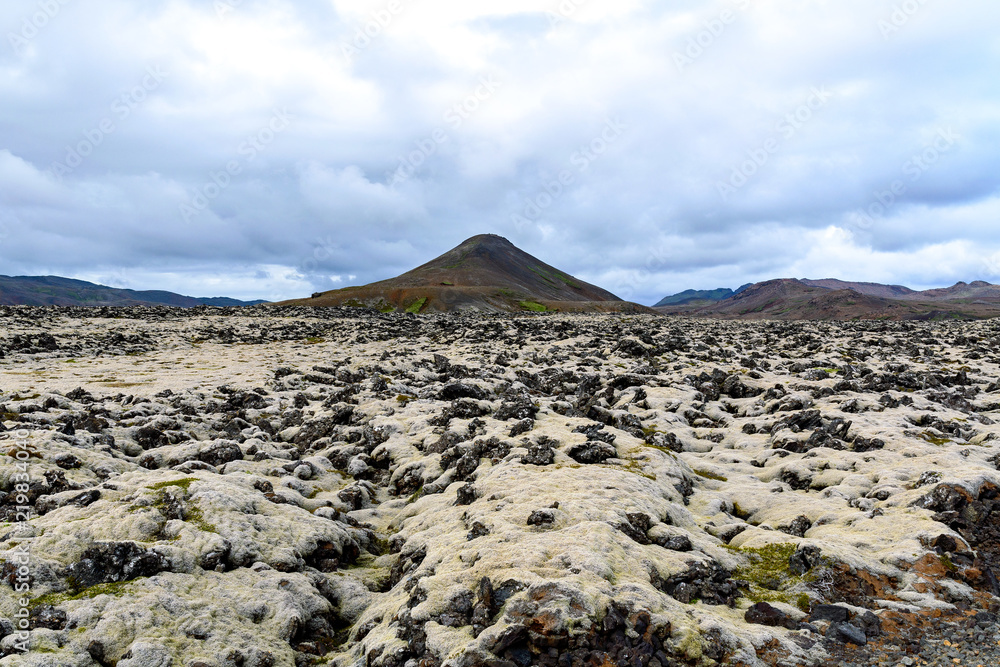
point(706, 581)
point(846, 633)
point(764, 614)
point(48, 617)
point(456, 390)
point(593, 451)
point(466, 495)
point(541, 517)
point(798, 526)
point(114, 562)
point(804, 559)
point(519, 409)
point(539, 454)
point(521, 427)
point(830, 612)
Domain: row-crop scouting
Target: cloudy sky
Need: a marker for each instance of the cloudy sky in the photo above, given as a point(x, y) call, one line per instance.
point(272, 148)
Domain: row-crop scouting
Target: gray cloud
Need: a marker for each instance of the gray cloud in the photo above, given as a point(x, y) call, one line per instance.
point(722, 166)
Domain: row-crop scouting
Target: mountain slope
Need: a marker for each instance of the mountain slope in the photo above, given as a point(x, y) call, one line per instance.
point(791, 299)
point(692, 297)
point(485, 272)
point(56, 291)
point(972, 292)
point(870, 289)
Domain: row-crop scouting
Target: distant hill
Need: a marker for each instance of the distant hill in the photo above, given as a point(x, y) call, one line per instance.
point(974, 292)
point(486, 272)
point(691, 296)
point(870, 289)
point(791, 299)
point(56, 291)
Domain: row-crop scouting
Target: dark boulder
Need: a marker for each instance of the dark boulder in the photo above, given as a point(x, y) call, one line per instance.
point(594, 451)
point(520, 408)
point(539, 454)
point(846, 633)
point(114, 562)
point(456, 390)
point(803, 560)
point(541, 517)
point(764, 614)
point(830, 612)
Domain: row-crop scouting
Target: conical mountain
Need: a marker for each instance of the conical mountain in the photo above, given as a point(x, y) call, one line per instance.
point(485, 272)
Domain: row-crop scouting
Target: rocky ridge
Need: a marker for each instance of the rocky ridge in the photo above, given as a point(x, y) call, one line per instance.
point(263, 486)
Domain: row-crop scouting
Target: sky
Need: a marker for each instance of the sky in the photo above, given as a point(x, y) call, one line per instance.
point(273, 148)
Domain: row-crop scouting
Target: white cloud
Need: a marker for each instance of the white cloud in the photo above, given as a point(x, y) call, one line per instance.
point(318, 199)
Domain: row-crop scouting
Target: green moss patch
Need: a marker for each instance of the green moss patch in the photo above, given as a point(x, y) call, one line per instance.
point(630, 466)
point(708, 474)
point(533, 306)
point(554, 278)
point(115, 589)
point(933, 439)
point(192, 513)
point(182, 483)
point(194, 516)
point(417, 305)
point(768, 577)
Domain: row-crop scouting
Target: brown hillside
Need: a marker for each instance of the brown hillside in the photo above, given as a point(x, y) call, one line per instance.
point(485, 272)
point(790, 299)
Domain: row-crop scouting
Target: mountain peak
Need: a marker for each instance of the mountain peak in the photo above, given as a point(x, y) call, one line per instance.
point(486, 239)
point(483, 272)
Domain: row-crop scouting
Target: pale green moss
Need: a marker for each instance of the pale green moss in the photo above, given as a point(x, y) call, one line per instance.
point(115, 589)
point(707, 474)
point(769, 576)
point(181, 483)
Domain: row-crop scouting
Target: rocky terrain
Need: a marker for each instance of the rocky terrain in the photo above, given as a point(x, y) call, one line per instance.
point(264, 487)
